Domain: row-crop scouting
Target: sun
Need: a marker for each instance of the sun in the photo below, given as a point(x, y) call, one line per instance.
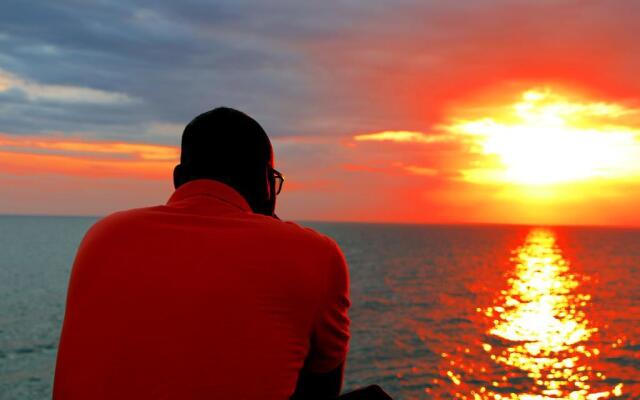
point(546, 138)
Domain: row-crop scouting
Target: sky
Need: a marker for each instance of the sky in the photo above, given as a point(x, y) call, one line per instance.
point(483, 111)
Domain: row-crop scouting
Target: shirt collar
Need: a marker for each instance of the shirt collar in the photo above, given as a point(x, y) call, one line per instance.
point(209, 188)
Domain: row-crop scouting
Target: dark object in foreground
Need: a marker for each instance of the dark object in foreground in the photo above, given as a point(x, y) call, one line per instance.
point(373, 392)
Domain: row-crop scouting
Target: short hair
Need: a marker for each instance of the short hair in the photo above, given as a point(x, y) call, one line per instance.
point(225, 144)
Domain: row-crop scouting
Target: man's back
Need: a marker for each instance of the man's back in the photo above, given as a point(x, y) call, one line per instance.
point(200, 298)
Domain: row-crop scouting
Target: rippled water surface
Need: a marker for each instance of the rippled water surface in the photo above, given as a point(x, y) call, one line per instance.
point(444, 312)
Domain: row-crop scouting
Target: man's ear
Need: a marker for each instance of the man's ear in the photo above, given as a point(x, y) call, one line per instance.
point(271, 195)
point(179, 176)
point(270, 188)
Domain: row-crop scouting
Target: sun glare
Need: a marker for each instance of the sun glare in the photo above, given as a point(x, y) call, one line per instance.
point(548, 138)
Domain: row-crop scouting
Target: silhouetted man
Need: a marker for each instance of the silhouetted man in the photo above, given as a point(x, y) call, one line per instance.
point(209, 296)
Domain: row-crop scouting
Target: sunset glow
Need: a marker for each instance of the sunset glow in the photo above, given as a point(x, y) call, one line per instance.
point(548, 138)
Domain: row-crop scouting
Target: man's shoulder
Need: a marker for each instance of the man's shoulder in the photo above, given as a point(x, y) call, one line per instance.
point(123, 220)
point(299, 238)
point(305, 238)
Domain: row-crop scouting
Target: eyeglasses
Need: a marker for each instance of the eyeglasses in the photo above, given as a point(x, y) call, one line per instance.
point(278, 179)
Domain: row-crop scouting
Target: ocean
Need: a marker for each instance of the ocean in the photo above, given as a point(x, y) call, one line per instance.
point(442, 312)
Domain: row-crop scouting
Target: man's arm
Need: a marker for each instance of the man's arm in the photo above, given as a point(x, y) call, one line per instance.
point(319, 386)
point(322, 374)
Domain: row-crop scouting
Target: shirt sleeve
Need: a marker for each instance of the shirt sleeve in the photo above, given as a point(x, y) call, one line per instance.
point(330, 336)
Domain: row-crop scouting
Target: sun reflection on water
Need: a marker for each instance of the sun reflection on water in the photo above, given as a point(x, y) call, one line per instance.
point(539, 334)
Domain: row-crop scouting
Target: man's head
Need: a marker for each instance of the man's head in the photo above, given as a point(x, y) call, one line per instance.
point(229, 146)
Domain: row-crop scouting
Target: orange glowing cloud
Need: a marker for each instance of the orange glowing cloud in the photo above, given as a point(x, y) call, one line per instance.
point(33, 155)
point(411, 152)
point(401, 137)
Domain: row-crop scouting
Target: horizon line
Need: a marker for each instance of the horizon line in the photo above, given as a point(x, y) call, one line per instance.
point(373, 222)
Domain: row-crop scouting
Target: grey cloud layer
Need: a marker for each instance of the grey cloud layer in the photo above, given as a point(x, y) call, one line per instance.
point(177, 58)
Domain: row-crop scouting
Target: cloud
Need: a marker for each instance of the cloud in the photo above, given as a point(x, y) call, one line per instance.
point(401, 137)
point(21, 155)
point(59, 93)
point(421, 170)
point(177, 60)
point(81, 147)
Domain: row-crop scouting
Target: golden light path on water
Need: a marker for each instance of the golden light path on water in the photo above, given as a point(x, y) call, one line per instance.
point(540, 317)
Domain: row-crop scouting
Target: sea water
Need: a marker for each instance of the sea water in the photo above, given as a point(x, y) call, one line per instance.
point(443, 312)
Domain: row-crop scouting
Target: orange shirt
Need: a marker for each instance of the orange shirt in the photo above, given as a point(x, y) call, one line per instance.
point(200, 298)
